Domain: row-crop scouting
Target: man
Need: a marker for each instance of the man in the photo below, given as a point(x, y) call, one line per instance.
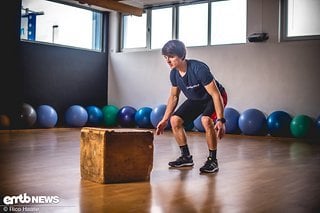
point(205, 96)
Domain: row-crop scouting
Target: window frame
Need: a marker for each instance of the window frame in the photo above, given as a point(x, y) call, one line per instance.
point(284, 26)
point(102, 32)
point(123, 49)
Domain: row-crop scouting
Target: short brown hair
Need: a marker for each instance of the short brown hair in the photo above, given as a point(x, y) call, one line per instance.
point(174, 48)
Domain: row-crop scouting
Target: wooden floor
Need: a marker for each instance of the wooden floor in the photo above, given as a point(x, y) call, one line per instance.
point(257, 174)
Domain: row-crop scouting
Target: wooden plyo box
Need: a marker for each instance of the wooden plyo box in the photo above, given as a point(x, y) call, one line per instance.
point(116, 155)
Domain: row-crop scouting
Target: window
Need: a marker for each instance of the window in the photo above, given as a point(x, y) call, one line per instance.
point(161, 27)
point(50, 22)
point(193, 24)
point(301, 19)
point(135, 31)
point(210, 22)
point(228, 22)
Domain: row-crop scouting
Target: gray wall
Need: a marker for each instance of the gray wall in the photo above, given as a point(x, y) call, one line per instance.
point(268, 76)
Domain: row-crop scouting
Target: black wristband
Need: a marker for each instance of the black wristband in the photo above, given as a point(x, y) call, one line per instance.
point(222, 120)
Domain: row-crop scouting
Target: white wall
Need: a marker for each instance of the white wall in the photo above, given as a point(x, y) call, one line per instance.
point(268, 76)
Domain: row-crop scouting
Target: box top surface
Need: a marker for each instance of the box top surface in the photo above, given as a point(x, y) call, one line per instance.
point(117, 129)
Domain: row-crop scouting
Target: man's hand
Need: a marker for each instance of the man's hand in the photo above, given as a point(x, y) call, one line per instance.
point(160, 127)
point(220, 128)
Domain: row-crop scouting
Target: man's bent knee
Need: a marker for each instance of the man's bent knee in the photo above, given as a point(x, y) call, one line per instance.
point(176, 121)
point(207, 122)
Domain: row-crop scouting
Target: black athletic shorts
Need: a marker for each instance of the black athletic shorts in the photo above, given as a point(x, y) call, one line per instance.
point(190, 110)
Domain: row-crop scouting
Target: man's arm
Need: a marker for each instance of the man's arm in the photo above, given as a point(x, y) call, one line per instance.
point(171, 105)
point(172, 102)
point(212, 89)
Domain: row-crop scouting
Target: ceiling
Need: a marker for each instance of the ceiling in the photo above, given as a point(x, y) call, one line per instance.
point(133, 7)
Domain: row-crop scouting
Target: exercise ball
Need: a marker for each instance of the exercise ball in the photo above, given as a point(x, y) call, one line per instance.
point(252, 122)
point(318, 123)
point(47, 116)
point(318, 126)
point(189, 126)
point(76, 116)
point(142, 117)
point(157, 114)
point(95, 115)
point(198, 124)
point(110, 113)
point(232, 118)
point(300, 126)
point(5, 121)
point(27, 116)
point(278, 123)
point(126, 116)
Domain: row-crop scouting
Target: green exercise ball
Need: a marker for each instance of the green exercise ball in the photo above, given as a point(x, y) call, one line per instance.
point(300, 126)
point(110, 113)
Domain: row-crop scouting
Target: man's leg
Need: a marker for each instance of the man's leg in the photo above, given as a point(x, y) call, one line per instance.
point(211, 165)
point(211, 138)
point(178, 130)
point(185, 114)
point(180, 135)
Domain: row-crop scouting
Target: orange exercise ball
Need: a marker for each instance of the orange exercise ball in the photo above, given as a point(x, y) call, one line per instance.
point(4, 121)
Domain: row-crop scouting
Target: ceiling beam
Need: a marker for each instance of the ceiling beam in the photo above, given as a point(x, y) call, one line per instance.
point(114, 5)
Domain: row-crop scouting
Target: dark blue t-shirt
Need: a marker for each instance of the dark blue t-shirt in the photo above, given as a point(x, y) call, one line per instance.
point(192, 83)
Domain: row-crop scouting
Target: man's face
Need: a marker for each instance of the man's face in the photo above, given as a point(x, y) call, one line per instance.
point(173, 61)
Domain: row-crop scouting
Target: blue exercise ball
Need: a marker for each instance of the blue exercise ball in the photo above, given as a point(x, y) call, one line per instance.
point(76, 116)
point(142, 117)
point(47, 116)
point(95, 115)
point(157, 114)
point(189, 126)
point(252, 122)
point(126, 116)
point(278, 123)
point(232, 120)
point(198, 124)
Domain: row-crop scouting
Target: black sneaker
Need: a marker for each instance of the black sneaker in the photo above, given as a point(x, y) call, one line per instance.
point(182, 161)
point(210, 166)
